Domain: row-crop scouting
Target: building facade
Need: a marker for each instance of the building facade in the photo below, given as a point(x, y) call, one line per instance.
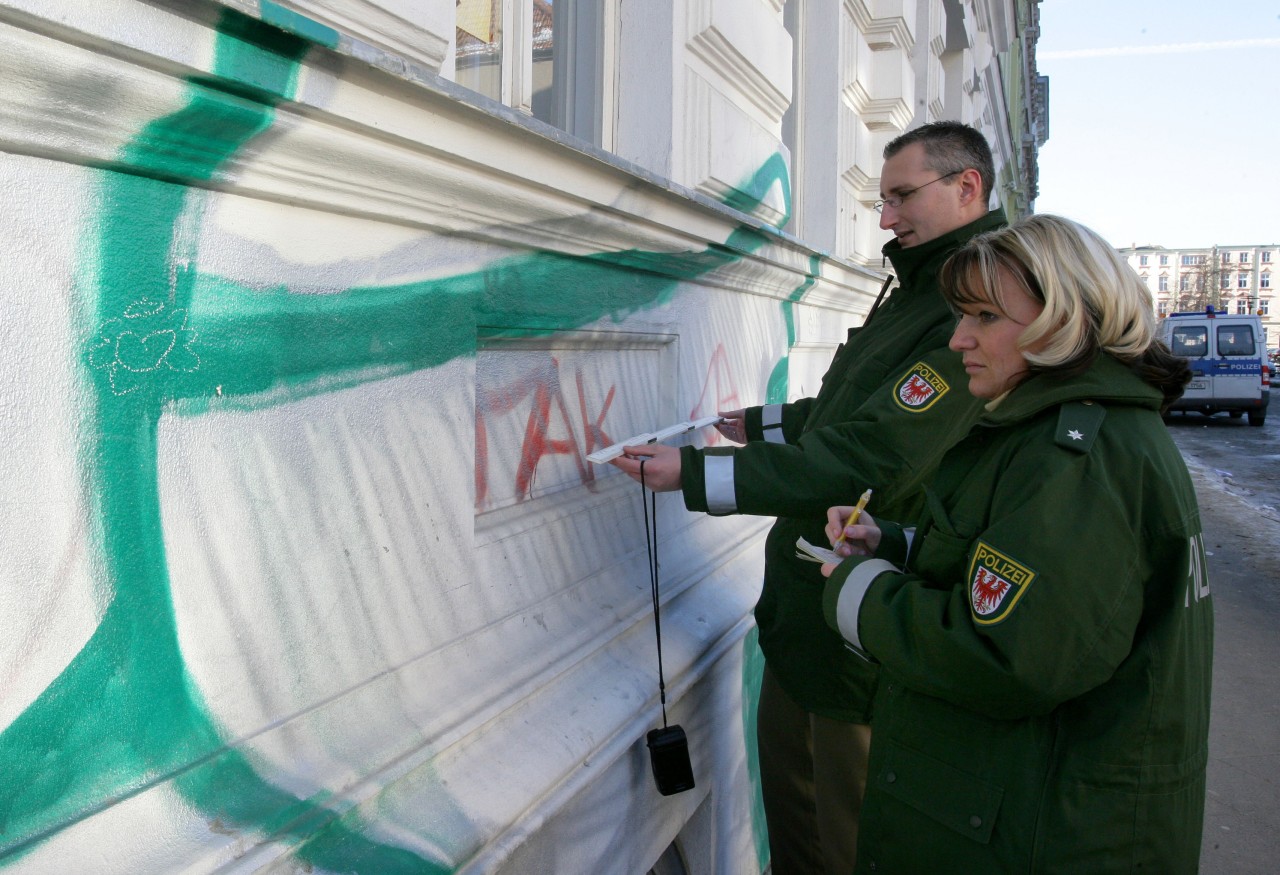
point(1231, 279)
point(316, 309)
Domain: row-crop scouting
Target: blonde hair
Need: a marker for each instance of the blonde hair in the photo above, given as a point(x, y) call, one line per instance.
point(1093, 300)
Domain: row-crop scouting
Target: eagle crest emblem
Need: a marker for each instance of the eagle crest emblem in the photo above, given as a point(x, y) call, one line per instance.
point(996, 584)
point(920, 388)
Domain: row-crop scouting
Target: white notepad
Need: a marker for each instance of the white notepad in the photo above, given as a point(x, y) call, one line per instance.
point(810, 553)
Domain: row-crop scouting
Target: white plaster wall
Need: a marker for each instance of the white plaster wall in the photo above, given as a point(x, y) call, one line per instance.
point(460, 678)
point(305, 566)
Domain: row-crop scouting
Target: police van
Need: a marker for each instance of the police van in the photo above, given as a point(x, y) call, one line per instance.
point(1229, 368)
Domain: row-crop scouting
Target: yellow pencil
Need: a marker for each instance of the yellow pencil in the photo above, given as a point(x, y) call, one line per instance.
point(853, 517)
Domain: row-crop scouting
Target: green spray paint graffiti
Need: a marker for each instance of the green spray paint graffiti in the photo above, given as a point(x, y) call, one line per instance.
point(777, 388)
point(124, 715)
point(752, 677)
point(288, 20)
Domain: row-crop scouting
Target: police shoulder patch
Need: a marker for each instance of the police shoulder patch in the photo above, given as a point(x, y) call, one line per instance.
point(996, 584)
point(920, 388)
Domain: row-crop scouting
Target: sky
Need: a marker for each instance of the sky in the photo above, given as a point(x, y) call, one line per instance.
point(1164, 119)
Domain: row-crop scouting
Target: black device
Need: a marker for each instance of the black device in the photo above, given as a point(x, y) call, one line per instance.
point(669, 755)
point(668, 746)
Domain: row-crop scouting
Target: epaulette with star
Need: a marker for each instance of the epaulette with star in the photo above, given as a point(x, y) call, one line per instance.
point(1078, 425)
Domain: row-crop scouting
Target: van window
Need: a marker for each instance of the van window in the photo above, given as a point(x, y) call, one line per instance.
point(1190, 340)
point(1236, 340)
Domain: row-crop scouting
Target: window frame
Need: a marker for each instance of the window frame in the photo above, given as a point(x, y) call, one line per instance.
point(590, 117)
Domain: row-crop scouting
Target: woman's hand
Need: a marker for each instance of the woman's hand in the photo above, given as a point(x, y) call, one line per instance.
point(859, 539)
point(661, 466)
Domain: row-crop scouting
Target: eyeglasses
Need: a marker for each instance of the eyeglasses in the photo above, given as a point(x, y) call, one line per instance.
point(896, 200)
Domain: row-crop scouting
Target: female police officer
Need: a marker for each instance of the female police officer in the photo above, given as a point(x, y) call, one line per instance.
point(1045, 632)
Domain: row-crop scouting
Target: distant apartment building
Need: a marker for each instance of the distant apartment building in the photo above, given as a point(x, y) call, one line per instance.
point(1231, 279)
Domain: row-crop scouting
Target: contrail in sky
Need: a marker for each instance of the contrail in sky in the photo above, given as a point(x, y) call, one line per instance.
point(1166, 49)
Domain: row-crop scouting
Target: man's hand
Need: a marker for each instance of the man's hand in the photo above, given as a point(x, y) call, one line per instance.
point(661, 466)
point(860, 539)
point(734, 426)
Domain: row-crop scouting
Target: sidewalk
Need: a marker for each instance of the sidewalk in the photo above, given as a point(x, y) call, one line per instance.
point(1242, 810)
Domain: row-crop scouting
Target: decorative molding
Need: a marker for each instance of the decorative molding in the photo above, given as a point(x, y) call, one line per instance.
point(875, 84)
point(731, 66)
point(936, 87)
point(878, 114)
point(860, 184)
point(391, 150)
point(370, 22)
point(937, 27)
point(855, 97)
point(972, 84)
point(886, 32)
point(709, 43)
point(724, 144)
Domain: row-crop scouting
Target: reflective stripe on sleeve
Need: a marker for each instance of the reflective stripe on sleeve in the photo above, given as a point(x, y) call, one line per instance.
point(717, 473)
point(771, 422)
point(851, 595)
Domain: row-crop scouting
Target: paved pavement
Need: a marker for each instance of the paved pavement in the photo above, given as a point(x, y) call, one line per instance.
point(1242, 811)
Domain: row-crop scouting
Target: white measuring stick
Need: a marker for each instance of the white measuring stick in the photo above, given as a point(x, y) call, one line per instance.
point(599, 457)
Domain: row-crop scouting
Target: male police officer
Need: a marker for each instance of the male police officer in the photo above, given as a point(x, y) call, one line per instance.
point(892, 401)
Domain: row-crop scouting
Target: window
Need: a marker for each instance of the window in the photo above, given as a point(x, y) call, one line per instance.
point(1226, 280)
point(1190, 340)
point(1244, 258)
point(1264, 307)
point(1184, 282)
point(1264, 281)
point(1142, 260)
point(568, 66)
point(1162, 308)
point(1164, 260)
point(1242, 280)
point(1192, 259)
point(1226, 258)
point(478, 54)
point(1266, 256)
point(562, 41)
point(1236, 340)
point(1242, 306)
point(1164, 282)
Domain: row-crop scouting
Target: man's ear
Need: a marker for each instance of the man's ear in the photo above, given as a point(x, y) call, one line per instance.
point(970, 186)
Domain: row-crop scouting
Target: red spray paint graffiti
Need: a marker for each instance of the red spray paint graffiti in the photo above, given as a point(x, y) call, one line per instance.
point(545, 433)
point(549, 428)
point(726, 392)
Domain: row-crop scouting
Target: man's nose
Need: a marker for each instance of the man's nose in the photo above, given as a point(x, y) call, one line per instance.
point(885, 221)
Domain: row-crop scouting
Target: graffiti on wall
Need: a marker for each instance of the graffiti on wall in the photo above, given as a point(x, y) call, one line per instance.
point(719, 392)
point(159, 337)
point(551, 428)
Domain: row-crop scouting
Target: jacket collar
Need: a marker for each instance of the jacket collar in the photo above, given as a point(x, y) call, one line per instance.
point(1106, 381)
point(909, 263)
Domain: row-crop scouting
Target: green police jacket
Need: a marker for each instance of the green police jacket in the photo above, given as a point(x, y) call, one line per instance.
point(892, 401)
point(1046, 653)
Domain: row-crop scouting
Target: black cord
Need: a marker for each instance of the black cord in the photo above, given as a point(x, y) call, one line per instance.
point(876, 306)
point(651, 541)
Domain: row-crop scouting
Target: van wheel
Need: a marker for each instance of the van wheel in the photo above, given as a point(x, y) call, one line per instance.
point(1235, 414)
point(1257, 417)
